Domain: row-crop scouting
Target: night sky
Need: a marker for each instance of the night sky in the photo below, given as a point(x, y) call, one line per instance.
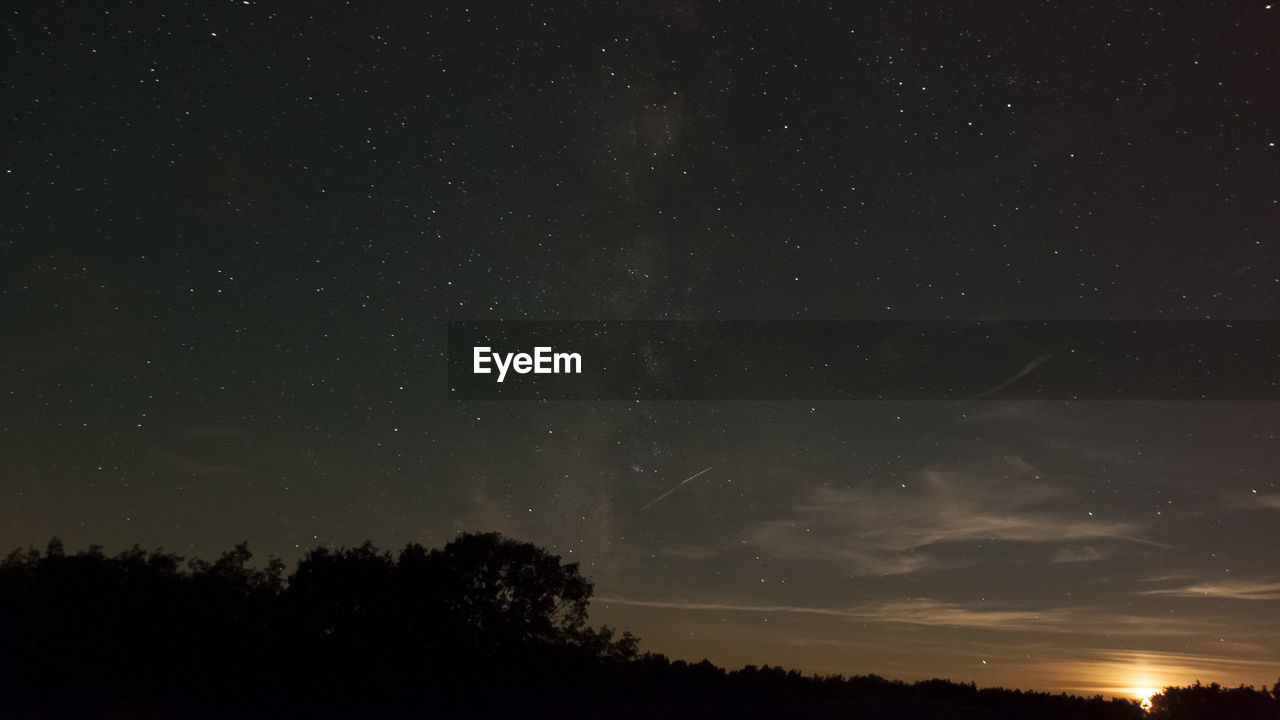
point(233, 236)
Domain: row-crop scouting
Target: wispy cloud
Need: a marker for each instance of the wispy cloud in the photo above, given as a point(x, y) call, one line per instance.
point(1173, 661)
point(1254, 501)
point(1075, 620)
point(921, 611)
point(1231, 590)
point(728, 607)
point(890, 530)
point(935, 613)
point(1137, 672)
point(1076, 554)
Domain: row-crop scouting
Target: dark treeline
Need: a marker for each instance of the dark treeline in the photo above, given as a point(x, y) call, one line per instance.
point(485, 627)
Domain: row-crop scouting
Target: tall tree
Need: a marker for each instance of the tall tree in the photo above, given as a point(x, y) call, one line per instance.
point(505, 591)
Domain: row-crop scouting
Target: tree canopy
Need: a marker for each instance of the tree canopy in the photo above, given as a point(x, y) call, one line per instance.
point(486, 626)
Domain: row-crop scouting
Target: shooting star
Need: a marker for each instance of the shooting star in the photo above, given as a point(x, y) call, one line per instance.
point(666, 494)
point(1030, 367)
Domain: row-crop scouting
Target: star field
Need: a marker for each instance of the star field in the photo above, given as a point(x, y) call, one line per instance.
point(234, 235)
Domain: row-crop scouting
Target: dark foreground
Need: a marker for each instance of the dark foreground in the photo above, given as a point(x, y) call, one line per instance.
point(486, 627)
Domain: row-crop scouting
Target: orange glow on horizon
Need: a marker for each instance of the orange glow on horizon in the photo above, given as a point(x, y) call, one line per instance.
point(1144, 696)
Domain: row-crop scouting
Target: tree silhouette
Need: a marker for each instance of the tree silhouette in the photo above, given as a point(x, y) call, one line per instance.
point(1210, 702)
point(501, 591)
point(340, 607)
point(486, 626)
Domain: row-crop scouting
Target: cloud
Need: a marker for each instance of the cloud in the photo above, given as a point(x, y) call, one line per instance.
point(1230, 590)
point(1074, 620)
point(935, 613)
point(1072, 554)
point(891, 530)
point(1255, 501)
point(1137, 672)
point(728, 607)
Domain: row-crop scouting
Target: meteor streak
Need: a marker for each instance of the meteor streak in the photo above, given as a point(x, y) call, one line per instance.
point(664, 495)
point(1027, 370)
